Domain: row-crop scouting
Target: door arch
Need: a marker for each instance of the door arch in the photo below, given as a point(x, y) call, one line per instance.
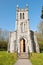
point(22, 45)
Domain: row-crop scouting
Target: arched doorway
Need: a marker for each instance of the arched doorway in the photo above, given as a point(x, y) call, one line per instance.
point(22, 45)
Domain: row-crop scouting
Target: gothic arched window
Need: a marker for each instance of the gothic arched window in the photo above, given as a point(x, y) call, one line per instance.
point(20, 15)
point(23, 15)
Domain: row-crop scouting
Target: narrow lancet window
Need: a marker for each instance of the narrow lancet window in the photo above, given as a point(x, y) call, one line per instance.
point(20, 15)
point(23, 15)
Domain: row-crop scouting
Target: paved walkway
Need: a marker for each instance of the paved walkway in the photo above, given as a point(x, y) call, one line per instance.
point(23, 62)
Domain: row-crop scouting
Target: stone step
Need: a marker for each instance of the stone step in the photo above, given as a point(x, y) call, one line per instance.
point(23, 55)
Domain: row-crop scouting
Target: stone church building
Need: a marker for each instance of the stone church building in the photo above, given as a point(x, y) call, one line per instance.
point(23, 39)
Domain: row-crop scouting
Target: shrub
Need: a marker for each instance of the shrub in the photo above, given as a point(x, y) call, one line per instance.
point(3, 45)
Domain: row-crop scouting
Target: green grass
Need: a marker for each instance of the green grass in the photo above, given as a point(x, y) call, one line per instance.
point(7, 58)
point(37, 58)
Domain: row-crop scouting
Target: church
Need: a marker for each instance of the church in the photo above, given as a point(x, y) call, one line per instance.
point(23, 40)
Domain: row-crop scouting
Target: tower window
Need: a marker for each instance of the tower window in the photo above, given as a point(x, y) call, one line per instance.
point(23, 15)
point(20, 15)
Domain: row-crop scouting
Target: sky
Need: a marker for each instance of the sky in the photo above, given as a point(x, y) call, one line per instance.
point(8, 13)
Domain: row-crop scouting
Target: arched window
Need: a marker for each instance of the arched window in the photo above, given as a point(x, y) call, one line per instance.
point(20, 15)
point(23, 15)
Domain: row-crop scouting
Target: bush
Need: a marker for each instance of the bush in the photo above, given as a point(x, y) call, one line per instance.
point(40, 42)
point(41, 47)
point(3, 45)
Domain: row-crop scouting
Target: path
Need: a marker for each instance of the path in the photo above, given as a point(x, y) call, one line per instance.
point(23, 62)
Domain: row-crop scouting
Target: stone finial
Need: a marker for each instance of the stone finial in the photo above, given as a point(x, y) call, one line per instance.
point(17, 6)
point(27, 5)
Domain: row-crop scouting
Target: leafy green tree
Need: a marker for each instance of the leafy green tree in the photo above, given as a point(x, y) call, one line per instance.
point(4, 39)
point(40, 33)
point(40, 27)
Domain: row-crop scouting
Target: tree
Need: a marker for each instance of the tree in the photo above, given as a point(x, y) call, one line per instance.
point(40, 27)
point(4, 36)
point(42, 13)
point(40, 33)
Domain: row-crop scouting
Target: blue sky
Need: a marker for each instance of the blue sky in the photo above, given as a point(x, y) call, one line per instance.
point(8, 13)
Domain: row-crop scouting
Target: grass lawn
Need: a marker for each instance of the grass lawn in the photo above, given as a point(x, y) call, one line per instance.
point(37, 58)
point(7, 58)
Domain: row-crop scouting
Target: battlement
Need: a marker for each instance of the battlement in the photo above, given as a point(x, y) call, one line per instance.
point(22, 13)
point(23, 9)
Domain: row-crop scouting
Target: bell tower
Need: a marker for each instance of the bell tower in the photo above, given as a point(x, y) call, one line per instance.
point(22, 19)
point(23, 29)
